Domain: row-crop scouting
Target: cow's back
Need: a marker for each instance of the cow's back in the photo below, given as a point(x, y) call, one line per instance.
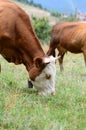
point(8, 16)
point(69, 35)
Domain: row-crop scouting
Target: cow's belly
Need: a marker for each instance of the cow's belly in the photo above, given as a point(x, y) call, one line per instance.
point(74, 50)
point(11, 55)
point(72, 47)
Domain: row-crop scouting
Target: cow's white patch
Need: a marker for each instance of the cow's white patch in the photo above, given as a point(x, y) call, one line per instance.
point(43, 85)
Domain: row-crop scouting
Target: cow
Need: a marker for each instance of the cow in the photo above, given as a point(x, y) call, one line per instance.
point(68, 36)
point(20, 45)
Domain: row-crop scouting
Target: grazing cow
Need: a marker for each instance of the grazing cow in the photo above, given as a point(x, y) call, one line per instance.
point(68, 36)
point(20, 45)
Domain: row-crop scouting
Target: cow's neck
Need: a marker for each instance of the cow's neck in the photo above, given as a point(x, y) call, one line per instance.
point(30, 49)
point(28, 42)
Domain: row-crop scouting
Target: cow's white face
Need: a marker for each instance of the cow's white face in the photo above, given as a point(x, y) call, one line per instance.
point(45, 82)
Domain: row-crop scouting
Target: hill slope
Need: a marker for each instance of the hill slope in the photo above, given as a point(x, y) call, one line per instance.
point(34, 11)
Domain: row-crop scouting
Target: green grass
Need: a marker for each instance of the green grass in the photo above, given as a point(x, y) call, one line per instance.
point(22, 109)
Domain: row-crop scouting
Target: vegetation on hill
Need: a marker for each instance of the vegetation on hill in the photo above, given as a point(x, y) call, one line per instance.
point(31, 2)
point(42, 28)
point(41, 25)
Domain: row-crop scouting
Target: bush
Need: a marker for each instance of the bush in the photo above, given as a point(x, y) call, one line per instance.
point(55, 13)
point(42, 28)
point(23, 1)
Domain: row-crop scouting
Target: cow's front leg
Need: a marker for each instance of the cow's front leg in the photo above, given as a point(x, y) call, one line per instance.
point(84, 53)
point(61, 61)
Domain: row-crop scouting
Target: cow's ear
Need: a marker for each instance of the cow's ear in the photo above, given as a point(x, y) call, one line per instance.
point(40, 62)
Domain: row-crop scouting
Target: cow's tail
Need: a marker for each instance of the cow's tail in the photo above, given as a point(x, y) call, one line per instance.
point(51, 51)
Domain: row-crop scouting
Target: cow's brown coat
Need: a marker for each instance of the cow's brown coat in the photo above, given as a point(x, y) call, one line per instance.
point(20, 45)
point(68, 36)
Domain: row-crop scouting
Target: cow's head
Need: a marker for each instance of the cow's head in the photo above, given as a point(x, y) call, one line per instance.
point(43, 75)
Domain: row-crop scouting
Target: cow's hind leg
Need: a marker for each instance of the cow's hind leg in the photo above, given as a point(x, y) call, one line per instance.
point(61, 61)
point(84, 53)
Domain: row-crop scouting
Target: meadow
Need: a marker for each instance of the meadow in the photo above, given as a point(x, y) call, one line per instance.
point(22, 109)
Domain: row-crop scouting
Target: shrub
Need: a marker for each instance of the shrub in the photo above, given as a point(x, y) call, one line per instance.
point(42, 28)
point(55, 13)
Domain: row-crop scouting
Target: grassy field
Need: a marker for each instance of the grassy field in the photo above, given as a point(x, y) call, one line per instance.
point(22, 109)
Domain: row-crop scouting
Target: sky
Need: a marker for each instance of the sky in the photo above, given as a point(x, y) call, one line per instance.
point(64, 5)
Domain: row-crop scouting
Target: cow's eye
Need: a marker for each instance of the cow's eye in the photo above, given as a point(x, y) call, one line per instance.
point(48, 76)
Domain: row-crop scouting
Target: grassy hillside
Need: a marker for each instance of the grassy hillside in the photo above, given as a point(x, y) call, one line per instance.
point(33, 11)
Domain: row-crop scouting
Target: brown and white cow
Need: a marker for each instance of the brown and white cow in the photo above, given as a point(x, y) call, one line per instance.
point(68, 36)
point(20, 45)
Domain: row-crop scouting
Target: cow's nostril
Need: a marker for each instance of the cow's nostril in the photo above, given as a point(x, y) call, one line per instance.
point(48, 76)
point(30, 85)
